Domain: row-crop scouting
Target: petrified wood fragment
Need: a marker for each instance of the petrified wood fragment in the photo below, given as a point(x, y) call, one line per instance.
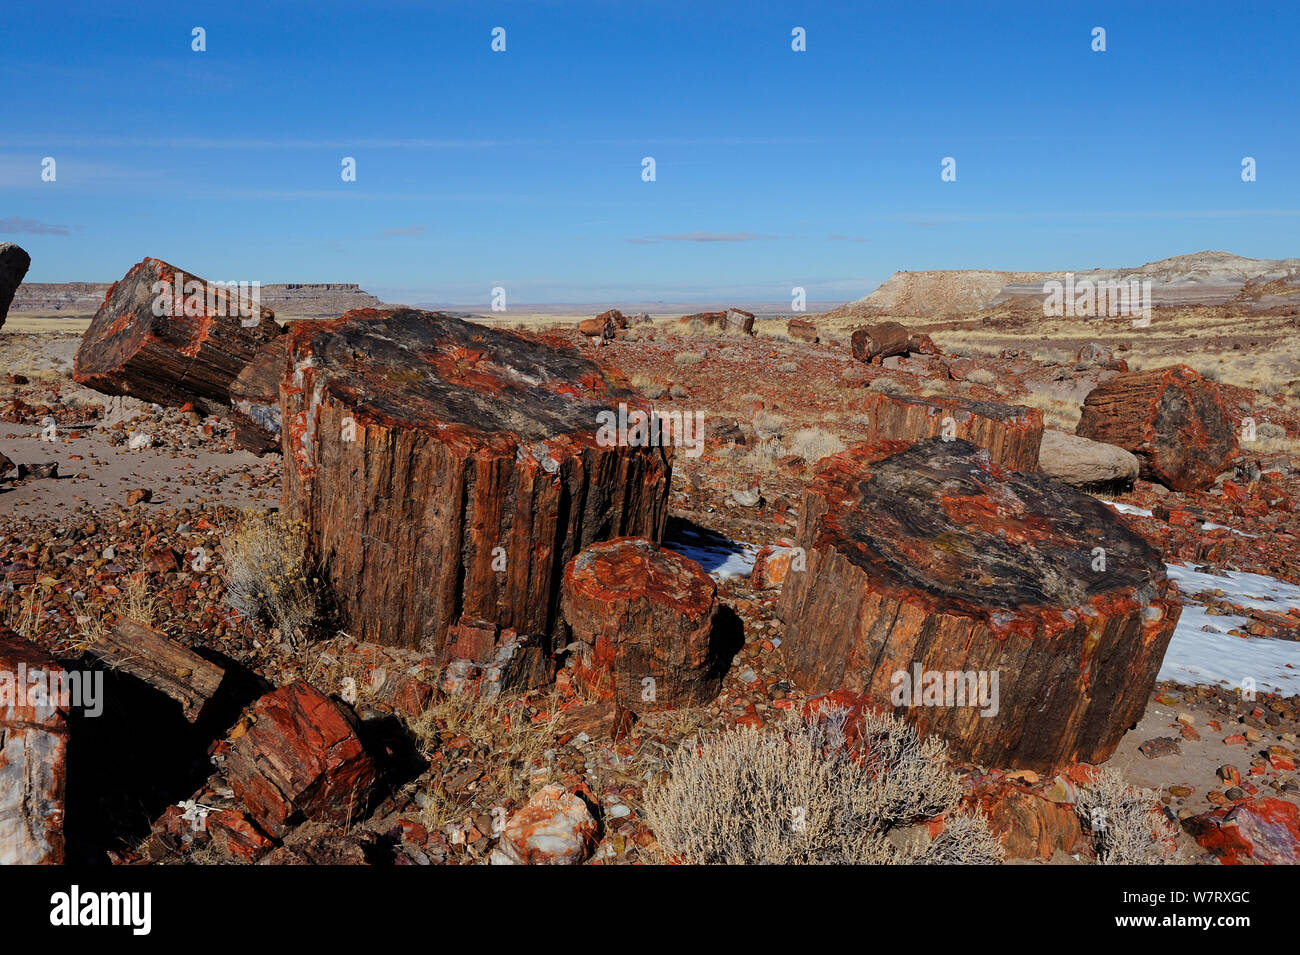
point(801, 330)
point(255, 398)
point(33, 755)
point(644, 617)
point(1010, 433)
point(161, 662)
point(1012, 615)
point(166, 336)
point(14, 263)
point(448, 470)
point(1175, 421)
point(873, 343)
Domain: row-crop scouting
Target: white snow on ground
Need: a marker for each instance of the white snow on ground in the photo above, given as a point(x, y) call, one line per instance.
point(1200, 655)
point(721, 558)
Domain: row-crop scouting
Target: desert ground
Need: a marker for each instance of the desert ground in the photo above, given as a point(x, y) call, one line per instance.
point(114, 535)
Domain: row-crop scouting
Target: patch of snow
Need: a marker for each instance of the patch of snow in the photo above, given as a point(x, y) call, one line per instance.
point(1129, 509)
point(719, 556)
point(1255, 591)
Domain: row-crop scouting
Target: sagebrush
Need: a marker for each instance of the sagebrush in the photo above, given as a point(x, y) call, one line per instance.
point(268, 577)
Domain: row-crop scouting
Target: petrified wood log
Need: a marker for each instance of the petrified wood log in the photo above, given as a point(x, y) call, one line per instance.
point(645, 618)
point(135, 347)
point(33, 755)
point(932, 572)
point(1010, 433)
point(161, 662)
point(875, 343)
point(255, 398)
point(14, 263)
point(448, 470)
point(5, 465)
point(801, 330)
point(1175, 421)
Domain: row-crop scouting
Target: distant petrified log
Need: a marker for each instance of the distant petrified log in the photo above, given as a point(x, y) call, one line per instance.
point(166, 336)
point(1006, 612)
point(1086, 464)
point(801, 330)
point(1175, 421)
point(5, 465)
point(1010, 433)
point(448, 470)
point(645, 617)
point(164, 664)
point(33, 755)
point(604, 325)
point(255, 398)
point(733, 320)
point(874, 343)
point(14, 263)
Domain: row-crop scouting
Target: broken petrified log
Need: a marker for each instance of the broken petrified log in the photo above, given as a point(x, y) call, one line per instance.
point(14, 263)
point(932, 573)
point(1010, 433)
point(801, 330)
point(5, 465)
point(33, 755)
point(164, 336)
point(161, 662)
point(255, 398)
point(446, 470)
point(645, 618)
point(299, 756)
point(739, 320)
point(874, 343)
point(1175, 421)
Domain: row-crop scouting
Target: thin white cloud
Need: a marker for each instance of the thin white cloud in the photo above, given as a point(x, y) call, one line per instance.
point(17, 224)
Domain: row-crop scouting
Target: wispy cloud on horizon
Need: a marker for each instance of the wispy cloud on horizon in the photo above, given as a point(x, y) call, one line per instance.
point(18, 224)
point(701, 237)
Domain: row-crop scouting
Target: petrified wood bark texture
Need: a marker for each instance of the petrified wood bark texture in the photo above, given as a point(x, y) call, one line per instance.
point(14, 263)
point(1010, 433)
point(935, 558)
point(1175, 421)
point(191, 355)
point(161, 662)
point(33, 755)
point(643, 613)
point(448, 470)
point(255, 398)
point(874, 343)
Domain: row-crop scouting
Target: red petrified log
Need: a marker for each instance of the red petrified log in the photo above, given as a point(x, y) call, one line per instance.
point(1175, 421)
point(801, 330)
point(446, 470)
point(33, 755)
point(932, 572)
point(645, 618)
point(134, 347)
point(1010, 433)
point(255, 398)
point(876, 342)
point(300, 757)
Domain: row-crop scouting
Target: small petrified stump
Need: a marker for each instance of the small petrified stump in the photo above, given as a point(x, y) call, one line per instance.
point(255, 398)
point(874, 343)
point(1175, 421)
point(166, 336)
point(801, 330)
point(1010, 433)
point(162, 663)
point(14, 263)
point(448, 471)
point(33, 755)
point(299, 757)
point(1010, 614)
point(645, 618)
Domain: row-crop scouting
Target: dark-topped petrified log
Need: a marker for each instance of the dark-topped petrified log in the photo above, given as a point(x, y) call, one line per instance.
point(1174, 420)
point(14, 263)
point(644, 617)
point(255, 398)
point(162, 663)
point(1014, 616)
point(874, 343)
point(1010, 433)
point(166, 336)
point(446, 470)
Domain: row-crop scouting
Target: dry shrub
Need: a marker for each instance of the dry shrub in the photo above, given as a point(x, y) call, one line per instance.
point(1125, 822)
point(687, 358)
point(788, 367)
point(981, 376)
point(887, 386)
point(813, 444)
point(267, 576)
point(799, 795)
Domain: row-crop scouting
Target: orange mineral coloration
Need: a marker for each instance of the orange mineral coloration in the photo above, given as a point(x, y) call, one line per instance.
point(933, 556)
point(448, 471)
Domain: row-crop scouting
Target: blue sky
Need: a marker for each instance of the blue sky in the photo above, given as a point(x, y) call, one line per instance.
point(522, 169)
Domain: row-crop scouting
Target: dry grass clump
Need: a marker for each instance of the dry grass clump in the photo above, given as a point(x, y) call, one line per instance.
point(687, 358)
point(1272, 437)
point(267, 576)
point(788, 367)
point(799, 795)
point(647, 386)
point(813, 444)
point(1057, 413)
point(1125, 822)
point(981, 376)
point(888, 386)
point(769, 425)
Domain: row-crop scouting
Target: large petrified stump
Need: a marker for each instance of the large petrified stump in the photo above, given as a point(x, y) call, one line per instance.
point(1010, 433)
point(1175, 421)
point(446, 470)
point(645, 620)
point(33, 755)
point(1008, 613)
point(14, 263)
point(166, 336)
